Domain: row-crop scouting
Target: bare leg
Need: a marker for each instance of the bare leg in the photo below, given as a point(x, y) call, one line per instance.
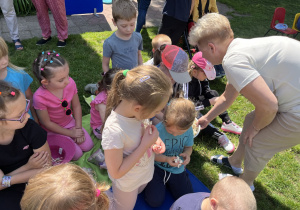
point(249, 176)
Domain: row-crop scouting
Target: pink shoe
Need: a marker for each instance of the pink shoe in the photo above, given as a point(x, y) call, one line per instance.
point(232, 128)
point(226, 143)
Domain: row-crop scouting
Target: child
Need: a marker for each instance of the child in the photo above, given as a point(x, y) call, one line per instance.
point(230, 193)
point(58, 10)
point(70, 188)
point(135, 95)
point(199, 91)
point(16, 76)
point(98, 105)
point(177, 133)
point(124, 46)
point(173, 61)
point(55, 98)
point(157, 41)
point(23, 146)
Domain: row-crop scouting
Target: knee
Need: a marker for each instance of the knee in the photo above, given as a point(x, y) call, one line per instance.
point(154, 201)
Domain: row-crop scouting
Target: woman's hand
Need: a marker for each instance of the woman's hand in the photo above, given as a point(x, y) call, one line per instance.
point(203, 122)
point(38, 160)
point(249, 134)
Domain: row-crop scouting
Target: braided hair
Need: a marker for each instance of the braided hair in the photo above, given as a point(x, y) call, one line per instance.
point(44, 65)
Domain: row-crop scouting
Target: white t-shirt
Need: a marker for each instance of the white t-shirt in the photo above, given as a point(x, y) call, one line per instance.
point(125, 133)
point(276, 59)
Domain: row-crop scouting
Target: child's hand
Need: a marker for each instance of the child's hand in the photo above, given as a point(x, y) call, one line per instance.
point(149, 139)
point(159, 147)
point(80, 140)
point(38, 160)
point(171, 161)
point(186, 158)
point(77, 132)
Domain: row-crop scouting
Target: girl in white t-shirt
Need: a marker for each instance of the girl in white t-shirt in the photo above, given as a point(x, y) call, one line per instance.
point(135, 95)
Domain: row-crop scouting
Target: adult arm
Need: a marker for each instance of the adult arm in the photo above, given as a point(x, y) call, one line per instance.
point(105, 64)
point(140, 58)
point(266, 106)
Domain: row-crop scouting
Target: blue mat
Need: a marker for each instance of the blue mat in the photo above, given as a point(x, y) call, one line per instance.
point(198, 186)
point(80, 7)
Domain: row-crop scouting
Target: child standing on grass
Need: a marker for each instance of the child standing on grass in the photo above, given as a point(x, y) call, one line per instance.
point(23, 146)
point(54, 99)
point(98, 105)
point(16, 76)
point(135, 95)
point(78, 191)
point(177, 133)
point(124, 46)
point(199, 91)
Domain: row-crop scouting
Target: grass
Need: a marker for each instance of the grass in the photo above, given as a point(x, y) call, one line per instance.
point(277, 186)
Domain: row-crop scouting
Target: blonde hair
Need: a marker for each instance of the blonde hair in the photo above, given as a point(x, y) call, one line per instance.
point(211, 27)
point(192, 65)
point(64, 186)
point(123, 9)
point(4, 52)
point(159, 39)
point(147, 85)
point(180, 112)
point(233, 193)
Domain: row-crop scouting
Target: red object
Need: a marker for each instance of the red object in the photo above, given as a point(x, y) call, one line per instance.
point(278, 17)
point(190, 25)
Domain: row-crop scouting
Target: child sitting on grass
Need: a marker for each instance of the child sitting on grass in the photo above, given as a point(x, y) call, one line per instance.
point(199, 91)
point(230, 193)
point(177, 133)
point(98, 105)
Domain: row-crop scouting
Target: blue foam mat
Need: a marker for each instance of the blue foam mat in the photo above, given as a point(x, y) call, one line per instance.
point(198, 186)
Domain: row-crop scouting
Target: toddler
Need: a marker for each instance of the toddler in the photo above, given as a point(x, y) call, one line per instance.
point(135, 95)
point(230, 193)
point(71, 188)
point(54, 99)
point(199, 91)
point(23, 146)
point(16, 76)
point(177, 133)
point(98, 105)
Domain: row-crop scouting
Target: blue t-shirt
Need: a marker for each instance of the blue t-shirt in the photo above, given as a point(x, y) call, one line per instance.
point(174, 146)
point(123, 53)
point(20, 80)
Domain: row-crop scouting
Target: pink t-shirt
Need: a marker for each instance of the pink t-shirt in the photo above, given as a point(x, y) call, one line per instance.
point(43, 99)
point(96, 120)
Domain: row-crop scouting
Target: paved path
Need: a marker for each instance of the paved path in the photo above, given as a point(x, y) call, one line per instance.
point(77, 24)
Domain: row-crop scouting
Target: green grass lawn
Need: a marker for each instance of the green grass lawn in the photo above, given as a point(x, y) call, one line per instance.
point(277, 186)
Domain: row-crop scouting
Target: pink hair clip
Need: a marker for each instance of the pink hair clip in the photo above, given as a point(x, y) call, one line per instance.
point(42, 69)
point(57, 55)
point(48, 53)
point(12, 93)
point(98, 192)
point(192, 66)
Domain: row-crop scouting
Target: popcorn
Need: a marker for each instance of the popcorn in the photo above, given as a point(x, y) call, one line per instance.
point(146, 123)
point(196, 129)
point(179, 161)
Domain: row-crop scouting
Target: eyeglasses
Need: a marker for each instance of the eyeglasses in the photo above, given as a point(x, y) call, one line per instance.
point(22, 118)
point(65, 104)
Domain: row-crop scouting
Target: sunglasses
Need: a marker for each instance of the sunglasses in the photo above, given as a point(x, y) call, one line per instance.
point(65, 104)
point(22, 118)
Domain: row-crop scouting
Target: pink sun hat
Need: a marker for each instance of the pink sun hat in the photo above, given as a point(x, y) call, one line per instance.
point(204, 64)
point(62, 148)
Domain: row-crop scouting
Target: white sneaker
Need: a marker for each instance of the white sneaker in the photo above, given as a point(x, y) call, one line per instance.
point(232, 128)
point(226, 143)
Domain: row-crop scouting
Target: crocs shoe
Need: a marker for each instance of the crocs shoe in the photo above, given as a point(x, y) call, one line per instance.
point(226, 143)
point(92, 88)
point(222, 160)
point(231, 128)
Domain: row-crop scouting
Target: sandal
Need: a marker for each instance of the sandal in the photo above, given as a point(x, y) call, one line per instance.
point(18, 46)
point(222, 160)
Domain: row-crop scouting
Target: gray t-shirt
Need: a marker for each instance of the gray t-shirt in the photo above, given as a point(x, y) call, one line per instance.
point(123, 53)
point(190, 201)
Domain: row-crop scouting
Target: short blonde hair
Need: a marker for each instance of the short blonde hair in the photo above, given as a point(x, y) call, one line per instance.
point(180, 112)
point(211, 27)
point(233, 193)
point(159, 39)
point(4, 52)
point(64, 186)
point(123, 9)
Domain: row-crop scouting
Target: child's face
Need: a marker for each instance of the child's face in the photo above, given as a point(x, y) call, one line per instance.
point(125, 27)
point(60, 78)
point(199, 74)
point(3, 62)
point(156, 111)
point(174, 130)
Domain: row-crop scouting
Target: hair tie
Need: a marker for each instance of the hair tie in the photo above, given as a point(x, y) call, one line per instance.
point(48, 53)
point(45, 59)
point(43, 53)
point(51, 61)
point(193, 67)
point(125, 72)
point(0, 93)
point(57, 54)
point(144, 78)
point(98, 192)
point(12, 93)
